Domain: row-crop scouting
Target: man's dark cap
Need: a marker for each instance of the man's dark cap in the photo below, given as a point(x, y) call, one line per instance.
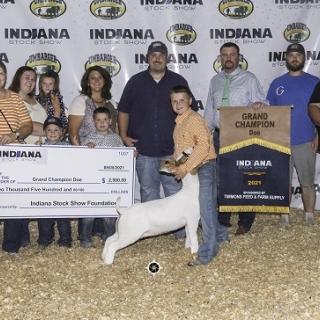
point(296, 47)
point(157, 46)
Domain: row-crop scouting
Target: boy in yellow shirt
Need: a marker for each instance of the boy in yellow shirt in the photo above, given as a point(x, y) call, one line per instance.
point(191, 130)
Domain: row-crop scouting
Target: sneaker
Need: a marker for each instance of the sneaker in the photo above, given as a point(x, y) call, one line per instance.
point(65, 245)
point(46, 243)
point(25, 244)
point(284, 220)
point(195, 263)
point(13, 254)
point(86, 245)
point(310, 219)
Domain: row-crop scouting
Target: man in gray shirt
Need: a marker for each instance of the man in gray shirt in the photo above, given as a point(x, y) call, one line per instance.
point(244, 90)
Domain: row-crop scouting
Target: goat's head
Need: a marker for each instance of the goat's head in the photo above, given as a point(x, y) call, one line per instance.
point(169, 164)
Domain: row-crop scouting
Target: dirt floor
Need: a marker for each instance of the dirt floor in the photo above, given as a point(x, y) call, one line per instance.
point(270, 273)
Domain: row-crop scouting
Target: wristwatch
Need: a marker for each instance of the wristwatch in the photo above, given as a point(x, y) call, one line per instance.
point(17, 134)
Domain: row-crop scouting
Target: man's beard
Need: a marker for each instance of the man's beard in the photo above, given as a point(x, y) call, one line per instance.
point(295, 67)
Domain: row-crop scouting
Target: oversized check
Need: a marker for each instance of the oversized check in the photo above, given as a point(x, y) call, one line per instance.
point(64, 181)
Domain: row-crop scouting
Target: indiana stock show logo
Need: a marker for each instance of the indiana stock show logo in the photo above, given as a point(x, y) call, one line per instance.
point(48, 9)
point(243, 64)
point(108, 10)
point(296, 32)
point(106, 61)
point(181, 34)
point(42, 62)
point(236, 9)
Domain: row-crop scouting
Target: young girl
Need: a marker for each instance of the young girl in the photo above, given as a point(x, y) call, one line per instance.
point(50, 98)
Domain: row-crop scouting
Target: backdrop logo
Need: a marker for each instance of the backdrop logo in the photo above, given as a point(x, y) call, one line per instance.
point(181, 34)
point(236, 9)
point(107, 61)
point(278, 58)
point(3, 3)
point(108, 10)
point(243, 64)
point(34, 36)
point(4, 57)
point(161, 5)
point(48, 9)
point(117, 36)
point(43, 62)
point(296, 32)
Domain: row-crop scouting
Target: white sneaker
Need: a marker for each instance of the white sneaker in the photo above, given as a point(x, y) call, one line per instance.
point(310, 219)
point(285, 220)
point(13, 254)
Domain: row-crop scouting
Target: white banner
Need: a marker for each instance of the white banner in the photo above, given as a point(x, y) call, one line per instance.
point(64, 181)
point(69, 36)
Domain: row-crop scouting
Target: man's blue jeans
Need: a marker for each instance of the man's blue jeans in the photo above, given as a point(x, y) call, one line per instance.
point(109, 224)
point(212, 231)
point(46, 231)
point(150, 178)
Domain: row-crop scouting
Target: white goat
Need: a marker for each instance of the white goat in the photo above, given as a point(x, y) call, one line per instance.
point(160, 216)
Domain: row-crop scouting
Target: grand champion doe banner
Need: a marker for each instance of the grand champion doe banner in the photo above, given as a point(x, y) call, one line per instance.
point(254, 159)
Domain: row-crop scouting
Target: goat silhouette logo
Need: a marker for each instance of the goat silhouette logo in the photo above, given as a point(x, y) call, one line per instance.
point(296, 32)
point(181, 34)
point(43, 62)
point(236, 9)
point(108, 10)
point(107, 61)
point(48, 9)
point(243, 64)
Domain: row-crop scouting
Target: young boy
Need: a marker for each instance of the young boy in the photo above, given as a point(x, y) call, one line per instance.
point(102, 137)
point(192, 130)
point(53, 130)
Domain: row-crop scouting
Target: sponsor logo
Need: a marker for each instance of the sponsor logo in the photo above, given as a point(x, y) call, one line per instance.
point(107, 61)
point(108, 9)
point(48, 9)
point(181, 34)
point(278, 59)
point(35, 36)
point(161, 5)
point(118, 36)
point(298, 4)
point(242, 64)
point(254, 35)
point(296, 32)
point(3, 3)
point(236, 9)
point(43, 62)
point(253, 164)
point(22, 154)
point(175, 61)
